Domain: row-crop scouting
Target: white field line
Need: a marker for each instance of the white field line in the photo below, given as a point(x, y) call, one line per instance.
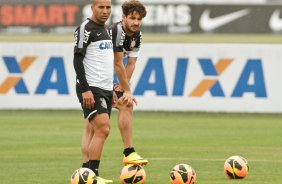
point(210, 159)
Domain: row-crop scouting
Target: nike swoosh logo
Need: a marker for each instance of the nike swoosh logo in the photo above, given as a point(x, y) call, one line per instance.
point(275, 22)
point(209, 24)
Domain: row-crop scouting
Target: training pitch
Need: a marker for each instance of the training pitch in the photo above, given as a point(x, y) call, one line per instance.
point(43, 147)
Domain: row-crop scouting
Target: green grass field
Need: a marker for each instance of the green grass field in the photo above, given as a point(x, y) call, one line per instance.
point(160, 38)
point(43, 147)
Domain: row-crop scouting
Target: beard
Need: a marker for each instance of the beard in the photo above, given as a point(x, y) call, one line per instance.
point(132, 29)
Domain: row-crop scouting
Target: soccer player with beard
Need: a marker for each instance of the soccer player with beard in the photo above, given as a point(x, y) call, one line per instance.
point(127, 37)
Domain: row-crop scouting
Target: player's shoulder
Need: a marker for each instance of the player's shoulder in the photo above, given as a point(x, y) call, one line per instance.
point(83, 24)
point(115, 29)
point(90, 25)
point(115, 25)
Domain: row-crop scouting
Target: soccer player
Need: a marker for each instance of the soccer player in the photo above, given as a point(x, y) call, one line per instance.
point(93, 64)
point(126, 36)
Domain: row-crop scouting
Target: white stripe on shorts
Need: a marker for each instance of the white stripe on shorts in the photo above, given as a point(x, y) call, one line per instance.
point(91, 113)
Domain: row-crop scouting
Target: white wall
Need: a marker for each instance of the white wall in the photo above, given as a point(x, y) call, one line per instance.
point(170, 77)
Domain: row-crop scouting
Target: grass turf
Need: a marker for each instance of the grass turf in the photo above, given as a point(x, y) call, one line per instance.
point(43, 147)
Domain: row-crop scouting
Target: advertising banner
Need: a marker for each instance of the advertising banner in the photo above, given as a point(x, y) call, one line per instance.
point(188, 18)
point(162, 16)
point(168, 77)
point(237, 19)
point(36, 76)
point(41, 16)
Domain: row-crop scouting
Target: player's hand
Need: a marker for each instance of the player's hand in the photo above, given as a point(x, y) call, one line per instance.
point(88, 99)
point(128, 99)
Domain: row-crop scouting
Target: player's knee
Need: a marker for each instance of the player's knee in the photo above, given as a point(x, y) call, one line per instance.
point(105, 130)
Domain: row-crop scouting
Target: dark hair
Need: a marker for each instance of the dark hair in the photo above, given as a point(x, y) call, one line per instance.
point(130, 6)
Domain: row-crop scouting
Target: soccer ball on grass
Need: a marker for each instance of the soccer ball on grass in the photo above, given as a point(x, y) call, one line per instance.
point(83, 176)
point(182, 174)
point(132, 174)
point(236, 167)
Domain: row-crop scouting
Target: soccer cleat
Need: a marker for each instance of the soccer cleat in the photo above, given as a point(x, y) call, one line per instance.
point(134, 158)
point(102, 180)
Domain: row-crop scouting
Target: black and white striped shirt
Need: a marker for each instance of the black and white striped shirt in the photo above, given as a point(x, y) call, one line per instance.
point(93, 56)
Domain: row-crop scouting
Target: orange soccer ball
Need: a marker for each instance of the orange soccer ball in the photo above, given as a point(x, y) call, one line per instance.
point(236, 167)
point(132, 174)
point(83, 176)
point(182, 174)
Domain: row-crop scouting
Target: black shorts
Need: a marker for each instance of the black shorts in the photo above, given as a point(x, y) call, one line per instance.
point(103, 102)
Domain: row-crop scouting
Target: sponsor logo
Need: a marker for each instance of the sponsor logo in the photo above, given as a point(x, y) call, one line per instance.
point(209, 24)
point(275, 21)
point(133, 42)
point(249, 81)
point(38, 14)
point(106, 45)
point(211, 84)
point(170, 17)
point(15, 69)
point(53, 77)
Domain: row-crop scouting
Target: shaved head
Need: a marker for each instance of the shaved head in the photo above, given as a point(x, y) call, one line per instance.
point(101, 10)
point(94, 1)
